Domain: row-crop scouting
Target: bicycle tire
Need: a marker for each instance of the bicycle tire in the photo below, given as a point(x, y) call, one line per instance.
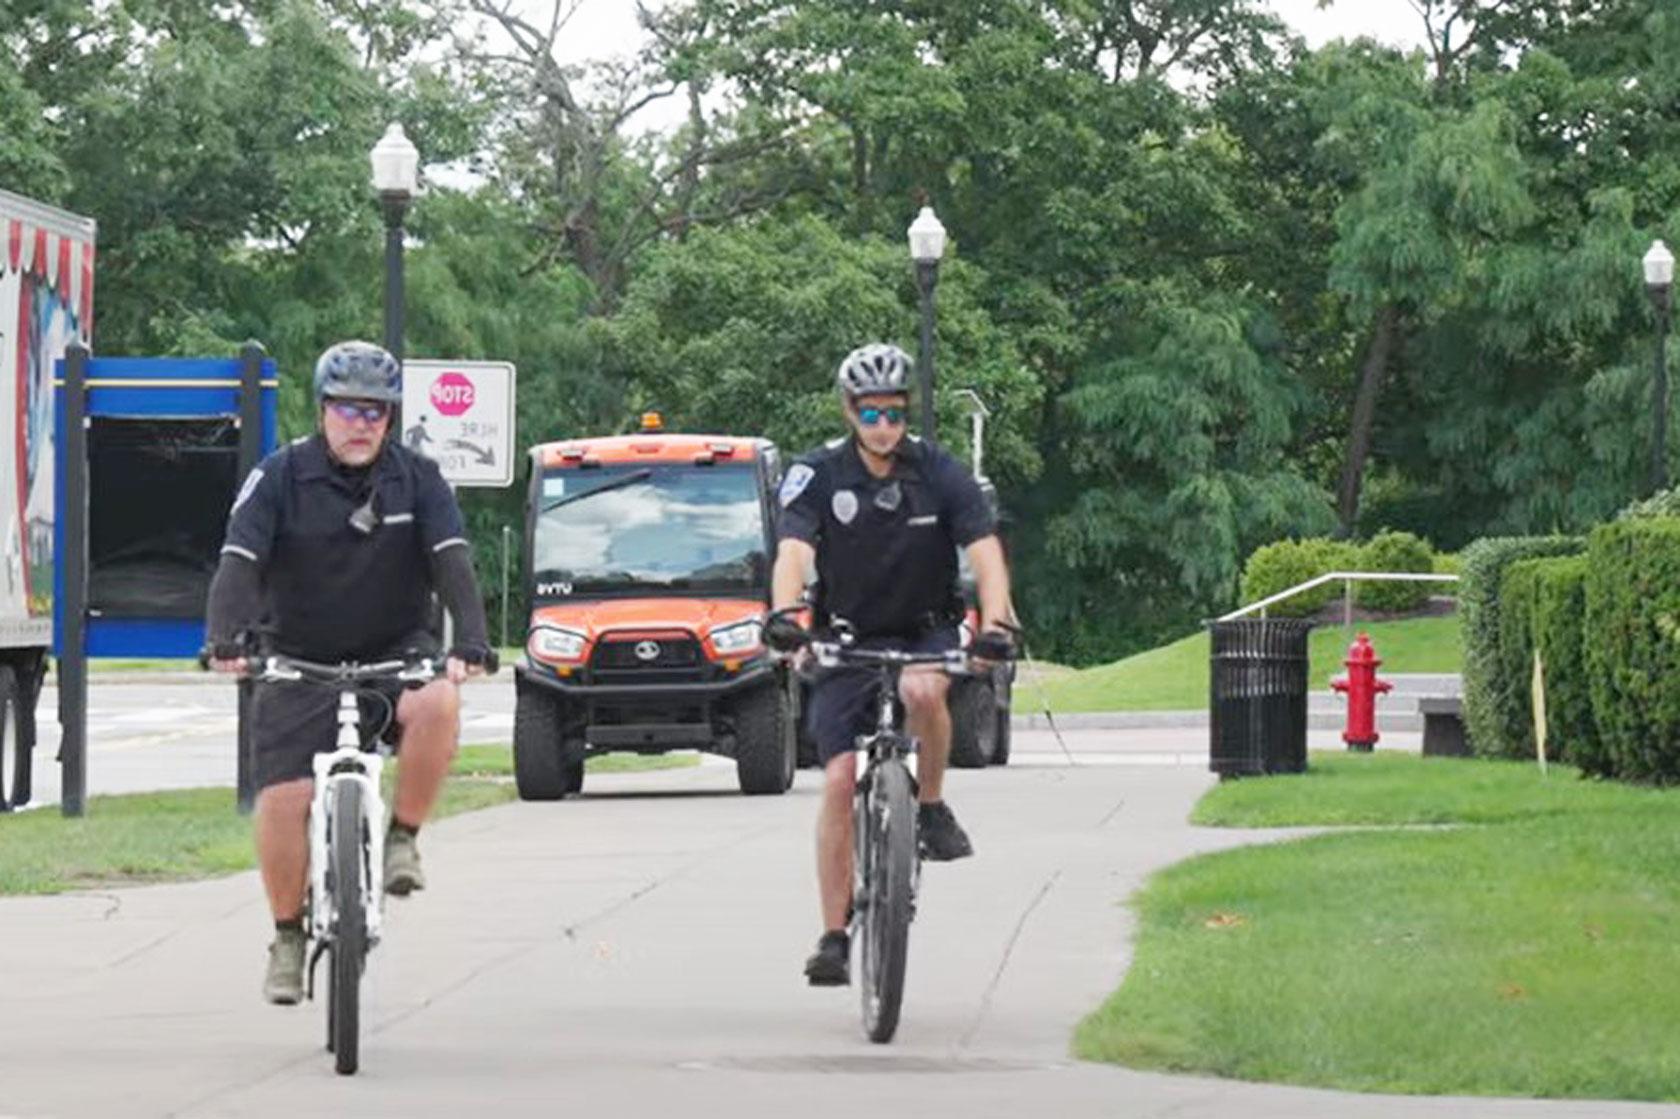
point(889, 870)
point(348, 949)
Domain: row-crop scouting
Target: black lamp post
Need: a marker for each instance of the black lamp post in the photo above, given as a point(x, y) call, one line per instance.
point(927, 245)
point(1659, 283)
point(396, 176)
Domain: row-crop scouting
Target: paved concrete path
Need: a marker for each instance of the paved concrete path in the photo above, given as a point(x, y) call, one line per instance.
point(146, 734)
point(636, 953)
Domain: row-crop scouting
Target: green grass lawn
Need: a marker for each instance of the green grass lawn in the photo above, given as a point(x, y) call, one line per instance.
point(157, 837)
point(1402, 789)
point(497, 761)
point(195, 833)
point(1531, 951)
point(1175, 677)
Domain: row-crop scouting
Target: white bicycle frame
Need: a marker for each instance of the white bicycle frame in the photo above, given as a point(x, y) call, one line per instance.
point(347, 763)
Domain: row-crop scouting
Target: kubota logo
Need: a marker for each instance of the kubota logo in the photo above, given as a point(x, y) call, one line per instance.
point(647, 650)
point(453, 394)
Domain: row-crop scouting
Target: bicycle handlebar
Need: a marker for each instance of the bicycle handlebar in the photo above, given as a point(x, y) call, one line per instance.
point(276, 668)
point(832, 654)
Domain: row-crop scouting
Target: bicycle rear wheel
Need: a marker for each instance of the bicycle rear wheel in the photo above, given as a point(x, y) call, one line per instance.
point(349, 938)
point(887, 850)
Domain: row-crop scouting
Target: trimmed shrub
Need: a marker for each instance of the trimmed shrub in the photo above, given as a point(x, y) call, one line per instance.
point(1663, 503)
point(1289, 563)
point(1517, 600)
point(1559, 631)
point(1490, 696)
point(1633, 655)
point(1401, 552)
point(1448, 563)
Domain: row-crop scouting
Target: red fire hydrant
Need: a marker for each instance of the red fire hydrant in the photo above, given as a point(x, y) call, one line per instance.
point(1362, 688)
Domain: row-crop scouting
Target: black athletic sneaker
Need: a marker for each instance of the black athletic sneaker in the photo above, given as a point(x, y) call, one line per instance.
point(831, 964)
point(942, 838)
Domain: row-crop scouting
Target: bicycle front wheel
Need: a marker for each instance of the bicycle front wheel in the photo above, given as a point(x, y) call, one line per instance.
point(888, 884)
point(349, 938)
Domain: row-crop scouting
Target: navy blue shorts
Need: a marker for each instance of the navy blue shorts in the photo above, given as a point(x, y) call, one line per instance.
point(292, 721)
point(842, 701)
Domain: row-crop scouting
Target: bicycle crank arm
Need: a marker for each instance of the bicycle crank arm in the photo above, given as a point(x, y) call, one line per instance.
point(314, 958)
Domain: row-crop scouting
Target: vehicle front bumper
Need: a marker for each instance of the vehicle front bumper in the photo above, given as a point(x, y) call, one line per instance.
point(699, 691)
point(627, 731)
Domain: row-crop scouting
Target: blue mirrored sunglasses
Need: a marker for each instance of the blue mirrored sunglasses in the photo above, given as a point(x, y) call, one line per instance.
point(873, 416)
point(368, 411)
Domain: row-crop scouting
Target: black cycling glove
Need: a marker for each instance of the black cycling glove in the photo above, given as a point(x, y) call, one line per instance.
point(992, 645)
point(783, 633)
point(481, 656)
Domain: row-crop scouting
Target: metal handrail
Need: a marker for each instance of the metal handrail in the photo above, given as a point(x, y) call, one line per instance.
point(1348, 578)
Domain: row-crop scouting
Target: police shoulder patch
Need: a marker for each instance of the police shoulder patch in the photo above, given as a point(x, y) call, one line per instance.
point(245, 491)
point(799, 476)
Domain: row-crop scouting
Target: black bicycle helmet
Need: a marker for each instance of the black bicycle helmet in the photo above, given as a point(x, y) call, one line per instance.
point(359, 370)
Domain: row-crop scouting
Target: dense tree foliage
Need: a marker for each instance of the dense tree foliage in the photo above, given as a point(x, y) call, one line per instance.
point(1217, 289)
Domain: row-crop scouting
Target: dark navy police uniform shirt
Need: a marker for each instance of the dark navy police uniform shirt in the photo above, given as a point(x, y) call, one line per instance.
point(886, 547)
point(331, 591)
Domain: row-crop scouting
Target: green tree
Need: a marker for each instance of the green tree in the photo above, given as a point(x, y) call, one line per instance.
point(740, 331)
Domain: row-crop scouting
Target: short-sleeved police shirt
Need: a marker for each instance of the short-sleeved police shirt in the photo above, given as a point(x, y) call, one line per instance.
point(331, 591)
point(886, 547)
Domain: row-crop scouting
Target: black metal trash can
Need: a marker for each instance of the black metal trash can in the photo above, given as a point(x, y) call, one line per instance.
point(1258, 698)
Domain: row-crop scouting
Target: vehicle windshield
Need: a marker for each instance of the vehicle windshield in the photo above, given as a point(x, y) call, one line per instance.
point(649, 528)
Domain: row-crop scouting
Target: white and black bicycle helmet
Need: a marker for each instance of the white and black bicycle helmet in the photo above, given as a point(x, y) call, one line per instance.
point(878, 368)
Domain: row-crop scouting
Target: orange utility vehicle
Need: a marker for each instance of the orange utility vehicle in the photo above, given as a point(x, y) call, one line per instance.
point(648, 573)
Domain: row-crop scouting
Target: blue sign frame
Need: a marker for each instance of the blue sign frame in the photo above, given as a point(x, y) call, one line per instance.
point(150, 388)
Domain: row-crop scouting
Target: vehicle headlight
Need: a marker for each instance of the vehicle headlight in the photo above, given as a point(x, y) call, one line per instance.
point(738, 638)
point(553, 644)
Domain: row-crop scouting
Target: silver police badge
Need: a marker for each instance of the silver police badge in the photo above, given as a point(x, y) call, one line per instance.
point(845, 505)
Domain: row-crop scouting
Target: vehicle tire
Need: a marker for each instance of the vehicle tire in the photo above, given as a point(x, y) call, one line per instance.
point(1005, 712)
point(887, 854)
point(807, 743)
point(12, 760)
point(973, 722)
point(539, 773)
point(766, 749)
point(350, 876)
point(572, 772)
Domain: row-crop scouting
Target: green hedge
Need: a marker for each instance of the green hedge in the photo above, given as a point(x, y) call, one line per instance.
point(1517, 602)
point(1559, 630)
point(1399, 552)
point(1633, 658)
point(1289, 563)
point(1492, 700)
point(1663, 503)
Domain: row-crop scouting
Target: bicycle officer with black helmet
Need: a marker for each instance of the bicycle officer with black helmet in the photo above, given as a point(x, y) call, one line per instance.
point(334, 547)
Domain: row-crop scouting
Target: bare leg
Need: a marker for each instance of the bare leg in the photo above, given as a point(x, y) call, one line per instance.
point(431, 725)
point(283, 845)
point(834, 840)
point(928, 719)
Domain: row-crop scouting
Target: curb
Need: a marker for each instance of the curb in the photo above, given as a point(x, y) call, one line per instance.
point(191, 677)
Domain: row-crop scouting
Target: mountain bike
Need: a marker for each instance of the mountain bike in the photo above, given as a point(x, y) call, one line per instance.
point(346, 835)
point(887, 863)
